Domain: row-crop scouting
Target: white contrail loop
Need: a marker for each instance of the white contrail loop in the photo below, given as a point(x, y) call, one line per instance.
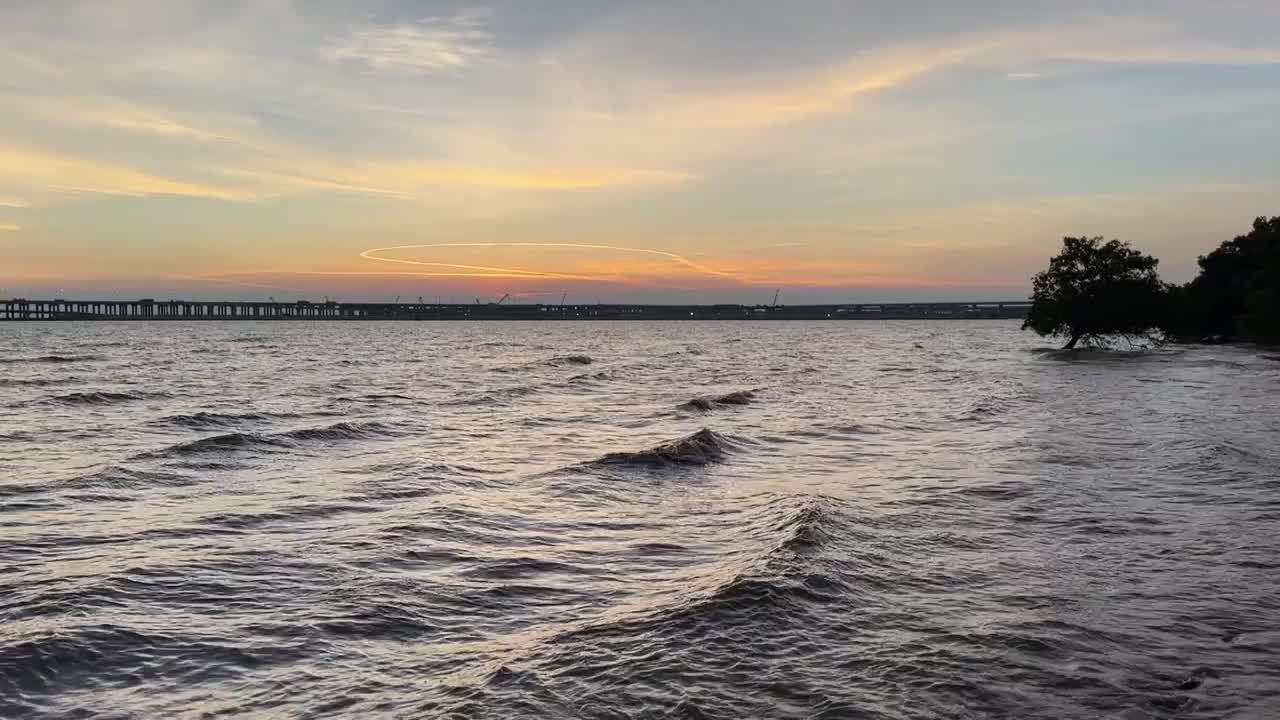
point(371, 254)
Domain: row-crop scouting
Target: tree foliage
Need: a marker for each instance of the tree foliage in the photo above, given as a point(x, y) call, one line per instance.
point(1095, 289)
point(1237, 294)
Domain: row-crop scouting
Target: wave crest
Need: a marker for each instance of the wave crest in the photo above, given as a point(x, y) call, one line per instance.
point(211, 419)
point(37, 382)
point(96, 398)
point(240, 440)
point(51, 359)
point(701, 448)
point(707, 403)
point(340, 431)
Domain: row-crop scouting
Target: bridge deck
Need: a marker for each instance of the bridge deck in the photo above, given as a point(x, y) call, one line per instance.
point(147, 309)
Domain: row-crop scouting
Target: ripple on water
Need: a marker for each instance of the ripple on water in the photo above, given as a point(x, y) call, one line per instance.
point(888, 520)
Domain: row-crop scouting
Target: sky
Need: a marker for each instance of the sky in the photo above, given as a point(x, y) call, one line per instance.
point(835, 151)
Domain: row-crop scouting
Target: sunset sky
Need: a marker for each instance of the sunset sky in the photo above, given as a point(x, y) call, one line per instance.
point(629, 151)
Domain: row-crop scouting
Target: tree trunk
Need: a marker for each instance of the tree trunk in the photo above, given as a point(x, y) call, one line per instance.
point(1071, 344)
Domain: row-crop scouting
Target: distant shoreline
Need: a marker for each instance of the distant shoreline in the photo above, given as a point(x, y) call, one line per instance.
point(22, 310)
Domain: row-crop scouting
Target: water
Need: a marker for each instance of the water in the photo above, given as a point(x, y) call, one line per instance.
point(895, 520)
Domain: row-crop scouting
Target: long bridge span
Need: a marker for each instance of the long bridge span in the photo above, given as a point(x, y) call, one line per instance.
point(19, 309)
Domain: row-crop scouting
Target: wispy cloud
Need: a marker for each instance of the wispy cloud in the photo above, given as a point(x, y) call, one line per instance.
point(117, 114)
point(49, 172)
point(8, 227)
point(414, 179)
point(13, 202)
point(432, 45)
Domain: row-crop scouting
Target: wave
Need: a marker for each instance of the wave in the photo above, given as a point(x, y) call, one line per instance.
point(571, 360)
point(211, 419)
point(216, 443)
point(51, 359)
point(786, 575)
point(499, 396)
point(707, 403)
point(806, 529)
point(557, 361)
point(37, 382)
point(117, 477)
point(701, 448)
point(499, 343)
point(591, 377)
point(338, 432)
point(79, 658)
point(99, 398)
point(1098, 353)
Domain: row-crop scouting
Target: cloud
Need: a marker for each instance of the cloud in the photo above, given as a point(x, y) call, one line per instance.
point(56, 173)
point(417, 179)
point(1189, 54)
point(407, 177)
point(8, 227)
point(13, 202)
point(118, 114)
point(433, 45)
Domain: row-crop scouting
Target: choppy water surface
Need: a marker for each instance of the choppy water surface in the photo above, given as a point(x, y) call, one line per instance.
point(698, 520)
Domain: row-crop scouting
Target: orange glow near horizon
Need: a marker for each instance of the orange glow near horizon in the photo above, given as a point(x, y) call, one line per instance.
point(674, 272)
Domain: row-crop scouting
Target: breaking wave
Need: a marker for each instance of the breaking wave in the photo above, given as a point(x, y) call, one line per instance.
point(707, 403)
point(701, 448)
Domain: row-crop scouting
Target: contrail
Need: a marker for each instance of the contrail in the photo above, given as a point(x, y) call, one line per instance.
point(370, 255)
point(622, 279)
point(488, 273)
point(458, 270)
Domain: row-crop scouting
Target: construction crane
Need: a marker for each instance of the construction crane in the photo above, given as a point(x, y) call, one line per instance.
point(504, 299)
point(562, 298)
point(775, 296)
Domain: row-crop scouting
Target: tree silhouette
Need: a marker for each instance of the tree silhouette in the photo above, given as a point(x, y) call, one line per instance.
point(1237, 293)
point(1094, 289)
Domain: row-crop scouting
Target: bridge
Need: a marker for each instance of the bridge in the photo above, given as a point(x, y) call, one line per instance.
point(18, 309)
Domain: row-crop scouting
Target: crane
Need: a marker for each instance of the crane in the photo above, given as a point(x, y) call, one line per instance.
point(504, 299)
point(775, 296)
point(562, 297)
